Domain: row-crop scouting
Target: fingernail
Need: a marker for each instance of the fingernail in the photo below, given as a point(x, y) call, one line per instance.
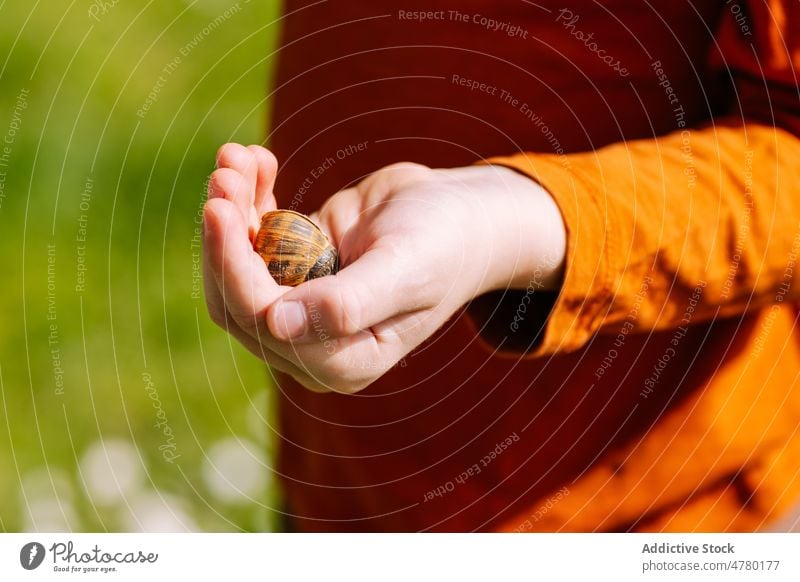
point(290, 320)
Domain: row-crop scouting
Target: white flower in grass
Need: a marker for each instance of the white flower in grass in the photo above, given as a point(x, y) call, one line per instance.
point(156, 512)
point(235, 471)
point(45, 498)
point(50, 515)
point(111, 470)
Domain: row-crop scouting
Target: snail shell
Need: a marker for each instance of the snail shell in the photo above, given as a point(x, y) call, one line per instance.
point(294, 248)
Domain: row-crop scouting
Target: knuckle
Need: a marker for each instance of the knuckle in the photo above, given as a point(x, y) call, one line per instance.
point(344, 373)
point(341, 375)
point(215, 182)
point(313, 385)
point(342, 311)
point(222, 180)
point(407, 172)
point(338, 373)
point(228, 152)
point(246, 321)
point(221, 151)
point(407, 167)
point(397, 174)
point(218, 316)
point(347, 385)
point(269, 158)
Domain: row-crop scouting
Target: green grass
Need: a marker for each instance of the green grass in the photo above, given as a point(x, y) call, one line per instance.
point(135, 309)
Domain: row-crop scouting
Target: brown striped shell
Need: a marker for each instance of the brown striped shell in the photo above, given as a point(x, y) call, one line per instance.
point(294, 248)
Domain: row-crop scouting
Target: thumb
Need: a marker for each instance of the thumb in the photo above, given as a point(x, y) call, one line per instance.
point(378, 286)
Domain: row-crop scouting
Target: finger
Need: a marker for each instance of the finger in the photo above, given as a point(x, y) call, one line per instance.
point(228, 184)
point(380, 285)
point(241, 189)
point(219, 313)
point(214, 301)
point(351, 363)
point(225, 183)
point(241, 275)
point(267, 170)
point(213, 296)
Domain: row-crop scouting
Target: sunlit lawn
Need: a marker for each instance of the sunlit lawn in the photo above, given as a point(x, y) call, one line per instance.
point(110, 118)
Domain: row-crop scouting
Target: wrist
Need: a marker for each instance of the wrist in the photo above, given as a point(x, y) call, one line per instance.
point(529, 237)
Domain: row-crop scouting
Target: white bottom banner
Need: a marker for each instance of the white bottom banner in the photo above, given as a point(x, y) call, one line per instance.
point(371, 557)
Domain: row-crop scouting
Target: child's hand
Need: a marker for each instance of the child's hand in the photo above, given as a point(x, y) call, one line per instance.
point(415, 244)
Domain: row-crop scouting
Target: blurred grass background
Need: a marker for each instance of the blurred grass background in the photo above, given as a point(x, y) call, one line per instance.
point(123, 407)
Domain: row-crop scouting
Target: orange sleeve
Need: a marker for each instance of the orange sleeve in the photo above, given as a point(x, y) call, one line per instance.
point(700, 223)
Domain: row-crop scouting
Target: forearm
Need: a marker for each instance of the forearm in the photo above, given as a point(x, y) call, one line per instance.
point(711, 208)
point(521, 238)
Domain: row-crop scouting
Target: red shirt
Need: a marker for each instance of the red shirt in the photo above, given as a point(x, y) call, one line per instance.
point(460, 436)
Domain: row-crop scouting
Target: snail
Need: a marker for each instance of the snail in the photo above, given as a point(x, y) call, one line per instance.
point(294, 248)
